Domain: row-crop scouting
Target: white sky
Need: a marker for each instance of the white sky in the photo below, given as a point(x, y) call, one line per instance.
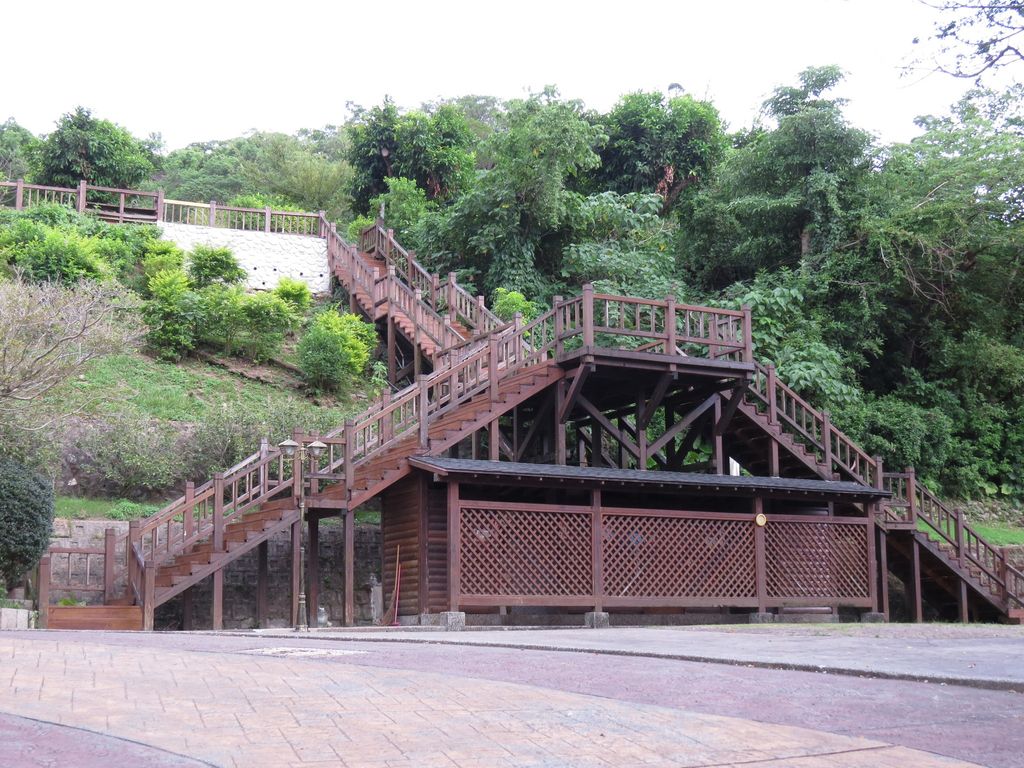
point(211, 70)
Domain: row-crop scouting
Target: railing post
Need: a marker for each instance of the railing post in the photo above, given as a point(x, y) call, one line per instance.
point(133, 539)
point(826, 440)
point(492, 367)
point(218, 512)
point(19, 195)
point(517, 323)
point(556, 308)
point(424, 407)
point(418, 307)
point(266, 219)
point(389, 245)
point(435, 287)
point(409, 259)
point(81, 197)
point(479, 312)
point(912, 494)
point(213, 213)
point(961, 554)
point(748, 335)
point(1002, 574)
point(43, 591)
point(588, 316)
point(120, 209)
point(109, 539)
point(159, 206)
point(452, 300)
point(670, 325)
point(773, 408)
point(350, 462)
point(188, 516)
point(148, 596)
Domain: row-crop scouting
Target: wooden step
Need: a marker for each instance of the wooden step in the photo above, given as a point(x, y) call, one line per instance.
point(110, 617)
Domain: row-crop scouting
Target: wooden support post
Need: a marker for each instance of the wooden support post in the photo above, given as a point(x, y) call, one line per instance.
point(962, 603)
point(493, 441)
point(188, 516)
point(452, 297)
point(187, 611)
point(961, 551)
point(266, 219)
point(883, 572)
point(263, 584)
point(19, 197)
point(492, 368)
point(559, 427)
point(213, 213)
point(296, 545)
point(596, 546)
point(588, 316)
point(826, 441)
point(760, 565)
point(392, 351)
point(912, 495)
point(43, 590)
point(748, 336)
point(218, 598)
point(556, 307)
point(149, 596)
point(670, 445)
point(869, 531)
point(716, 438)
point(916, 603)
point(159, 206)
point(82, 193)
point(218, 512)
point(596, 443)
point(424, 407)
point(641, 435)
point(349, 611)
point(109, 539)
point(454, 546)
point(670, 325)
point(313, 569)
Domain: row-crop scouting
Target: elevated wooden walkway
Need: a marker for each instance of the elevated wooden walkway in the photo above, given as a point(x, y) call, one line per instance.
point(596, 380)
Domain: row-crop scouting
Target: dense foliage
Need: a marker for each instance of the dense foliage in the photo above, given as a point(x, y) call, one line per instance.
point(335, 349)
point(26, 517)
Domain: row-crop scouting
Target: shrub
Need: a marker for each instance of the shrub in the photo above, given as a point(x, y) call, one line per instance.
point(172, 314)
point(356, 226)
point(129, 455)
point(130, 510)
point(26, 519)
point(209, 265)
point(159, 256)
point(506, 303)
point(266, 318)
point(335, 348)
point(49, 254)
point(295, 292)
point(223, 316)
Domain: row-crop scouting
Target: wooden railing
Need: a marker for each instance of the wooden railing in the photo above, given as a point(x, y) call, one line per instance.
point(264, 220)
point(809, 427)
point(918, 509)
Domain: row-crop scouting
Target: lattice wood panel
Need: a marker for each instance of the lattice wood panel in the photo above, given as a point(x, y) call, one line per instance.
point(816, 559)
point(525, 552)
point(678, 557)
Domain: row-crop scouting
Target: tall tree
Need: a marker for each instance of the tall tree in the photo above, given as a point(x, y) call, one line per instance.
point(97, 151)
point(976, 36)
point(16, 146)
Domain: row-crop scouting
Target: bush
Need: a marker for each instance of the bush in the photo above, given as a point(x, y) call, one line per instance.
point(130, 510)
point(44, 253)
point(172, 314)
point(221, 307)
point(335, 348)
point(266, 318)
point(159, 255)
point(506, 303)
point(296, 293)
point(129, 455)
point(356, 226)
point(26, 519)
point(213, 265)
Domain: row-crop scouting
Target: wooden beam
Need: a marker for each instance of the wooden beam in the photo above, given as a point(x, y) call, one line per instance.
point(262, 584)
point(218, 599)
point(349, 611)
point(729, 411)
point(296, 543)
point(569, 399)
point(602, 420)
point(684, 423)
point(645, 413)
point(531, 433)
point(313, 569)
point(916, 605)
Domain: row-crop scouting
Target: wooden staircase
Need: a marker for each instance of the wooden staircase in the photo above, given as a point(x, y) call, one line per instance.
point(481, 369)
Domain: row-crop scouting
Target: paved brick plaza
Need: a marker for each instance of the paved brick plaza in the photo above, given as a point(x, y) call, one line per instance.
point(280, 701)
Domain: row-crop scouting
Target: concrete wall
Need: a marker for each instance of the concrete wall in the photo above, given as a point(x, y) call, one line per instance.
point(265, 257)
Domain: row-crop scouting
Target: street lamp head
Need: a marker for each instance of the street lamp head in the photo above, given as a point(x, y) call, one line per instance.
point(316, 448)
point(288, 447)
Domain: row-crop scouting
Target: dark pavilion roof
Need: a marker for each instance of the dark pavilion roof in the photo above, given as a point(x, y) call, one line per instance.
point(554, 474)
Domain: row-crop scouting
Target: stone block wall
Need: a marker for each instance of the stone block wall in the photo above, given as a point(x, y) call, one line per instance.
point(265, 257)
point(240, 576)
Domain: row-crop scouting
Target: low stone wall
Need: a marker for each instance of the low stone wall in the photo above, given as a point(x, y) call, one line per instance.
point(266, 257)
point(240, 576)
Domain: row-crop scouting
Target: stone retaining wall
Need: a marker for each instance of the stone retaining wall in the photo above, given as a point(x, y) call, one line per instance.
point(266, 257)
point(240, 576)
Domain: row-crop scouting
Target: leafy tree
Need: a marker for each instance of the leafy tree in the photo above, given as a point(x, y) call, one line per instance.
point(16, 148)
point(659, 146)
point(404, 205)
point(431, 149)
point(26, 519)
point(208, 265)
point(976, 36)
point(173, 314)
point(335, 348)
point(98, 151)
